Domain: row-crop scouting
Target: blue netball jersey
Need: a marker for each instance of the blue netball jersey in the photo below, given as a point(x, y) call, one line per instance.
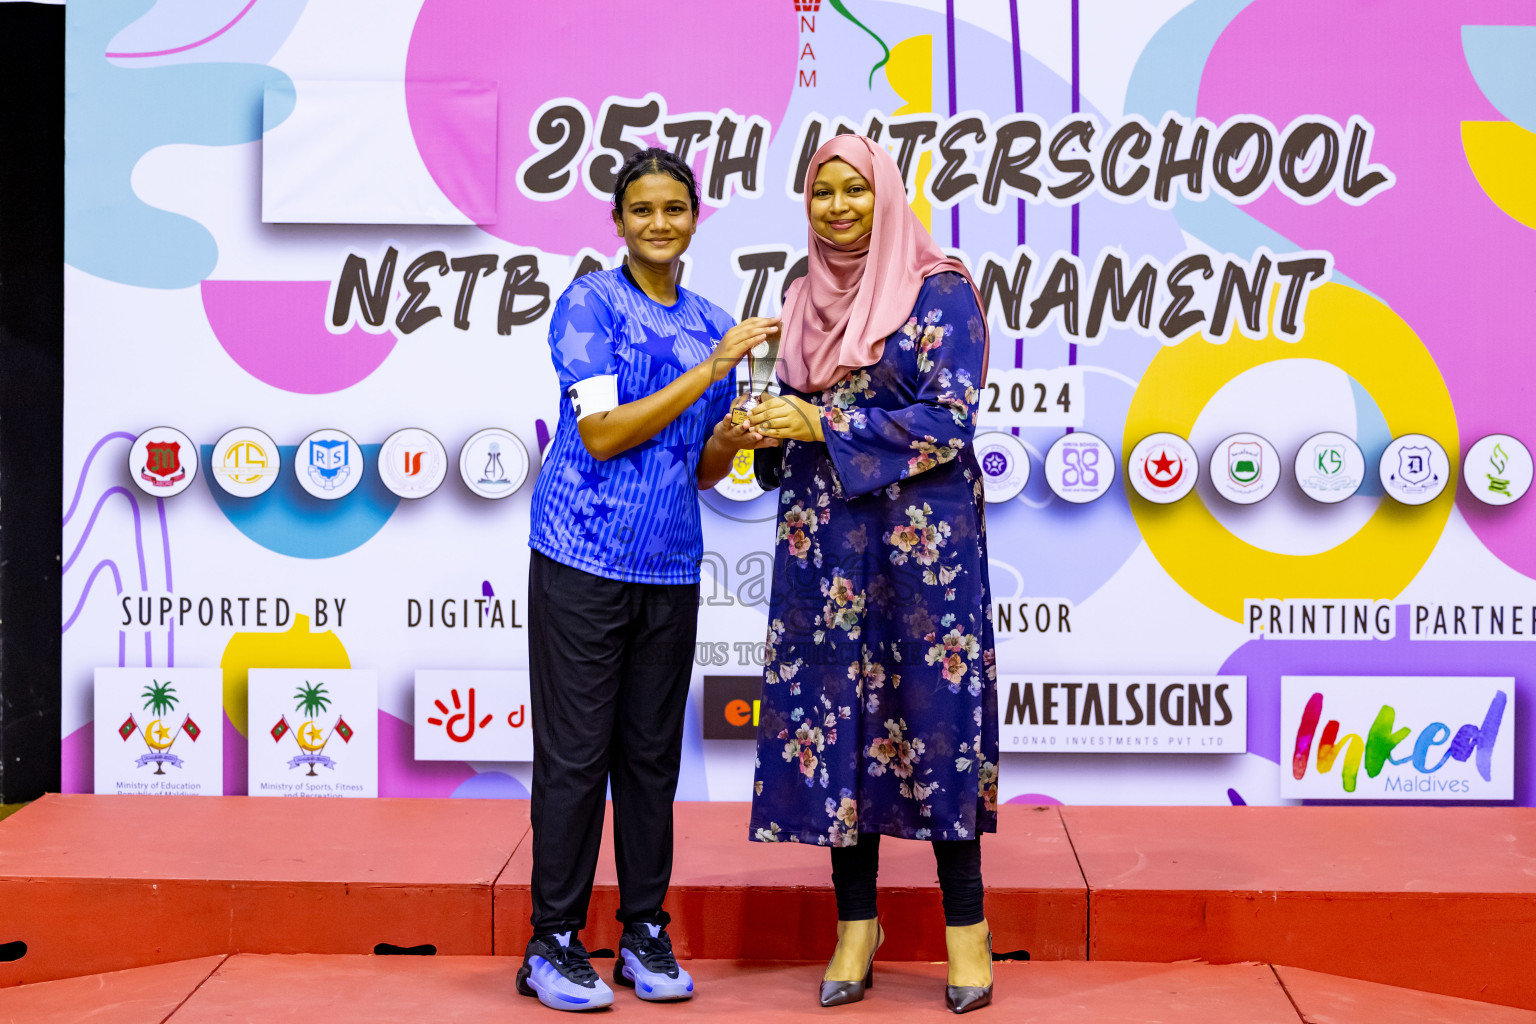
point(635, 517)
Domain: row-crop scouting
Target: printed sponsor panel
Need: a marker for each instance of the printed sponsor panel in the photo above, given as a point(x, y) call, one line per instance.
point(1090, 714)
point(473, 715)
point(313, 732)
point(731, 706)
point(1397, 737)
point(159, 731)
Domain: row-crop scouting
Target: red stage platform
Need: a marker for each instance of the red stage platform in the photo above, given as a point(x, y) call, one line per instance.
point(1435, 898)
point(1440, 900)
point(100, 883)
point(298, 989)
point(734, 899)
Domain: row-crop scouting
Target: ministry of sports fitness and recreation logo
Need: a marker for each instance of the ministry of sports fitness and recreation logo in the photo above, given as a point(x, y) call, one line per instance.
point(1414, 469)
point(160, 702)
point(1004, 465)
point(412, 463)
point(1245, 468)
point(163, 462)
point(245, 462)
point(1079, 467)
point(1330, 467)
point(329, 464)
point(311, 702)
point(1498, 469)
point(1163, 468)
point(494, 463)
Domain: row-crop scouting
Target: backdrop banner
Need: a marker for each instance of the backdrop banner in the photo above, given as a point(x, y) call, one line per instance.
point(1257, 274)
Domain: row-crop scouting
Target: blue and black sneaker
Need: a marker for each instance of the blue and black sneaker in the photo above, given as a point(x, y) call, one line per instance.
point(557, 969)
point(647, 965)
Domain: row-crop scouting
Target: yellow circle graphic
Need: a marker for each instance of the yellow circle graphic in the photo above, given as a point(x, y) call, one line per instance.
point(1365, 339)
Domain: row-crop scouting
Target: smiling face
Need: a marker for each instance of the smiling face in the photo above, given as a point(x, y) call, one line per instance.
point(657, 220)
point(842, 203)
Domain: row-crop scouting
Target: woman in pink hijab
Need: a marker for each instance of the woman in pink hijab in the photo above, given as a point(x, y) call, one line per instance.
point(879, 710)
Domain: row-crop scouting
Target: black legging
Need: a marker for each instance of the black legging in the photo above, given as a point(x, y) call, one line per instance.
point(854, 869)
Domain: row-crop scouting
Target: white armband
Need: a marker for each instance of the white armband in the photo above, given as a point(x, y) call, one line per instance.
point(595, 394)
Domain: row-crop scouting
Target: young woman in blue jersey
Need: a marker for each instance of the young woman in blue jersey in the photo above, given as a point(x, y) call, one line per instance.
point(646, 373)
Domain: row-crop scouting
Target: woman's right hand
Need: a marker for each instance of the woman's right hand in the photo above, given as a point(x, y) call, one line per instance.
point(738, 341)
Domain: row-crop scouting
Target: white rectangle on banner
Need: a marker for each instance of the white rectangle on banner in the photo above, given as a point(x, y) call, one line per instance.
point(473, 715)
point(1085, 714)
point(159, 731)
point(1033, 398)
point(313, 732)
point(1397, 737)
point(348, 153)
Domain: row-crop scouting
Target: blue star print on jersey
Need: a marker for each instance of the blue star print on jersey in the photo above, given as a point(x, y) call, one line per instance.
point(635, 517)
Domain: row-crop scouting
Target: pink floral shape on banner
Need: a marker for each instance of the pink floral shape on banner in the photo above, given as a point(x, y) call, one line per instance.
point(276, 331)
point(537, 52)
point(1433, 247)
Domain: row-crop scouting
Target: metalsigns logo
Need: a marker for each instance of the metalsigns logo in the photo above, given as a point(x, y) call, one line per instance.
point(1403, 735)
point(1124, 714)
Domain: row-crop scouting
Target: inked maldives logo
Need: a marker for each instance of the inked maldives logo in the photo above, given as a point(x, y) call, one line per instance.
point(1471, 741)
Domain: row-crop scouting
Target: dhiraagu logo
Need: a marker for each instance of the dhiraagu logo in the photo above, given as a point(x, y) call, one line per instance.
point(1416, 738)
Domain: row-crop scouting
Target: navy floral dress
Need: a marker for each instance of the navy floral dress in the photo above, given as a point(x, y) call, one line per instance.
point(879, 709)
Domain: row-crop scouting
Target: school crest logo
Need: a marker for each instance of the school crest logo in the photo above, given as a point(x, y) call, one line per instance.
point(1251, 469)
point(163, 462)
point(1329, 467)
point(245, 462)
point(1414, 469)
point(329, 464)
point(412, 463)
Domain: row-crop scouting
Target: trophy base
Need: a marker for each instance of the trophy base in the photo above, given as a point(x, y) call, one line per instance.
point(739, 414)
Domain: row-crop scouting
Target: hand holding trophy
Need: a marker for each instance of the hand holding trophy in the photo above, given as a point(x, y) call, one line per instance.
point(761, 359)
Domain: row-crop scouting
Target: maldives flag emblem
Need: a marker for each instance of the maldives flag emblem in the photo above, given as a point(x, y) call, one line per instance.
point(190, 728)
point(280, 729)
point(128, 728)
point(343, 730)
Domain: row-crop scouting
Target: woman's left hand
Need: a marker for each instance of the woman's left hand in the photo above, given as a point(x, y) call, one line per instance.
point(787, 418)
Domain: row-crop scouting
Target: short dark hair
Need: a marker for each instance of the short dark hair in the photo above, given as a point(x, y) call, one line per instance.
point(653, 161)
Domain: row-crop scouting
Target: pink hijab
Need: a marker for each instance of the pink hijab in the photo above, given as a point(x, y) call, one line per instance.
point(837, 317)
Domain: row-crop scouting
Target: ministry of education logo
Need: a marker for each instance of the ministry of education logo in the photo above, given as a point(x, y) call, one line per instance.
point(1079, 467)
point(163, 462)
point(1245, 468)
point(1414, 469)
point(1329, 467)
point(1004, 465)
point(1163, 468)
point(494, 463)
point(412, 463)
point(329, 464)
point(245, 462)
point(1498, 469)
point(160, 701)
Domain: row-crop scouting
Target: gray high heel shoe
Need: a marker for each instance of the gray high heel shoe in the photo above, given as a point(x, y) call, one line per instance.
point(836, 993)
point(965, 998)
